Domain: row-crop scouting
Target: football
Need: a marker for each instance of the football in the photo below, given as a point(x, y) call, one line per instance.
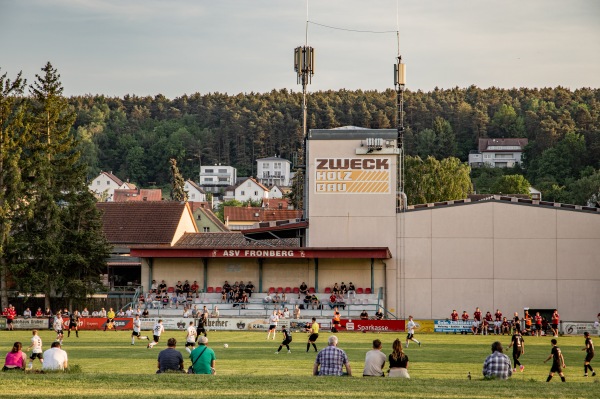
point(225, 346)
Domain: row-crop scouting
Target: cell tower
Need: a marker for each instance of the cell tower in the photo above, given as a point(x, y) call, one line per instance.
point(399, 83)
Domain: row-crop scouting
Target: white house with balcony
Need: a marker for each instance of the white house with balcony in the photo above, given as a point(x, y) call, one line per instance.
point(104, 185)
point(498, 153)
point(273, 171)
point(215, 178)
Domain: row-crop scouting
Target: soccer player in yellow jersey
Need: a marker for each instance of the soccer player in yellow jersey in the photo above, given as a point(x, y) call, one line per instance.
point(314, 334)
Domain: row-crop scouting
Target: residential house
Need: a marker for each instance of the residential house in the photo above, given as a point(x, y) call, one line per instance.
point(205, 219)
point(194, 191)
point(127, 224)
point(498, 153)
point(276, 203)
point(273, 171)
point(104, 185)
point(250, 189)
point(215, 178)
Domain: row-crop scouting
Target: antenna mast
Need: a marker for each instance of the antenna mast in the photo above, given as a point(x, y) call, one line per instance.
point(399, 83)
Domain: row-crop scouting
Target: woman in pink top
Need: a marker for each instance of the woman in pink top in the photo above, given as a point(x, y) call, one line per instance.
point(15, 359)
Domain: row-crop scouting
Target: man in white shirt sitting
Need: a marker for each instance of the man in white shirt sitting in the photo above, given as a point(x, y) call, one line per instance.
point(55, 358)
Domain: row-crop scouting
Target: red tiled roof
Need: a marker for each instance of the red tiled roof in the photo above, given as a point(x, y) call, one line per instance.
point(143, 194)
point(274, 203)
point(485, 143)
point(235, 213)
point(145, 222)
point(255, 181)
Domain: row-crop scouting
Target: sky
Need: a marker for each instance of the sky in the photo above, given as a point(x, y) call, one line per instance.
point(177, 47)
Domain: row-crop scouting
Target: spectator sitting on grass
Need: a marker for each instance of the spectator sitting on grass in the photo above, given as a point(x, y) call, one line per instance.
point(15, 359)
point(497, 365)
point(55, 358)
point(170, 359)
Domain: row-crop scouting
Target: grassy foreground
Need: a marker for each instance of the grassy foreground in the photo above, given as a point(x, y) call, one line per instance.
point(111, 366)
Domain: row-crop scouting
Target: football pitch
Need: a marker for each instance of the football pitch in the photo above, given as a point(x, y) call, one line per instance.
point(107, 365)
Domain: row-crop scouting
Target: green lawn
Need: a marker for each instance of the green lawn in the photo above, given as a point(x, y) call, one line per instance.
point(111, 366)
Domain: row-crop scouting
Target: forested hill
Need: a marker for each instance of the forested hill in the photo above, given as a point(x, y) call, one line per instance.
point(134, 137)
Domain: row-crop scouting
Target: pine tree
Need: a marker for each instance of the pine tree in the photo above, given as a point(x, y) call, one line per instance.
point(62, 234)
point(12, 137)
point(178, 192)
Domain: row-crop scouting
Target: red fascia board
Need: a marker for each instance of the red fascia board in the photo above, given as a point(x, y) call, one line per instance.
point(277, 253)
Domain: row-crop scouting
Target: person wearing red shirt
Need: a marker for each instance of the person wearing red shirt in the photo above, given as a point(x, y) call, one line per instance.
point(454, 315)
point(39, 313)
point(497, 322)
point(555, 321)
point(505, 326)
point(538, 324)
point(11, 313)
point(477, 314)
point(465, 316)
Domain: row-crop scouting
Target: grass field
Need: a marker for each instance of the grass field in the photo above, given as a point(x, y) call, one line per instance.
point(111, 366)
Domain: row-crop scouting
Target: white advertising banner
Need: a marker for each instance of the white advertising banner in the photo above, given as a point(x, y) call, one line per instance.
point(30, 324)
point(223, 324)
point(573, 328)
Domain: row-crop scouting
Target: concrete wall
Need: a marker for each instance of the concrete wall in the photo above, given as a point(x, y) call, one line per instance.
point(499, 255)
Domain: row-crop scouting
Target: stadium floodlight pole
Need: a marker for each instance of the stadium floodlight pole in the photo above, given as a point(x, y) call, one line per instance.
point(304, 65)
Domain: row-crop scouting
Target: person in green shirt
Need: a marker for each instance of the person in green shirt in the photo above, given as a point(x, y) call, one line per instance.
point(203, 358)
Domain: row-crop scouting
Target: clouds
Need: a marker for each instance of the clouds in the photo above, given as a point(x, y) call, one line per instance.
point(147, 47)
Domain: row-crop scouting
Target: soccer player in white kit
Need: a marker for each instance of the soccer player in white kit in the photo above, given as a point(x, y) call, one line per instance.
point(157, 330)
point(273, 319)
point(190, 339)
point(58, 327)
point(410, 326)
point(36, 345)
point(137, 330)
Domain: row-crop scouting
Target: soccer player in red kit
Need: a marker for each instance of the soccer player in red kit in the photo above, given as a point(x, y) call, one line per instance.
point(454, 315)
point(555, 321)
point(538, 324)
point(477, 314)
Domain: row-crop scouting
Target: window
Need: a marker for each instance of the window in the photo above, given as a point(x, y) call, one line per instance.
point(208, 179)
point(98, 182)
point(243, 193)
point(265, 174)
point(206, 229)
point(209, 171)
point(222, 170)
point(488, 156)
point(277, 174)
point(223, 179)
point(277, 165)
point(256, 193)
point(192, 196)
point(504, 156)
point(265, 165)
point(108, 182)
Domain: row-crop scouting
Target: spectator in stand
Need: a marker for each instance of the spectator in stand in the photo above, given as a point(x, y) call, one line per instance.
point(454, 315)
point(223, 296)
point(235, 286)
point(95, 313)
point(335, 289)
point(351, 290)
point(364, 315)
point(296, 312)
point(154, 286)
point(343, 288)
point(27, 313)
point(215, 312)
point(330, 360)
point(340, 301)
point(538, 324)
point(286, 313)
point(162, 287)
point(15, 359)
point(303, 289)
point(465, 316)
point(276, 298)
point(497, 322)
point(497, 365)
point(194, 287)
point(226, 286)
point(179, 287)
point(314, 300)
point(249, 289)
point(485, 326)
point(283, 299)
point(505, 327)
point(307, 299)
point(242, 286)
point(186, 312)
point(145, 313)
point(477, 314)
point(181, 300)
point(186, 287)
point(120, 313)
point(379, 314)
point(268, 298)
point(332, 301)
point(244, 300)
point(39, 313)
point(231, 296)
point(555, 322)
